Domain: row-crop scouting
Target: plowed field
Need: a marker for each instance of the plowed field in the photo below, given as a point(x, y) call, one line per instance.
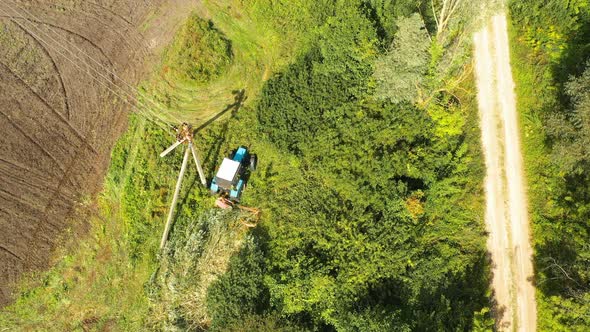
point(58, 123)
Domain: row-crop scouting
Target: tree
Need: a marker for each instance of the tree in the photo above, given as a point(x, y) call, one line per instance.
point(571, 130)
point(448, 10)
point(368, 204)
point(400, 73)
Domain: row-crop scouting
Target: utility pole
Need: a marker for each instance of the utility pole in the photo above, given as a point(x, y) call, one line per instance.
point(184, 136)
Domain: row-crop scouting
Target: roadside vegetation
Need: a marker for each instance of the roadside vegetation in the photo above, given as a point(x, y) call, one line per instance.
point(372, 206)
point(551, 44)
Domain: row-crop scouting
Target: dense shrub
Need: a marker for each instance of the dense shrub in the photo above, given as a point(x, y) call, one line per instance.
point(552, 43)
point(240, 293)
point(401, 72)
point(370, 215)
point(295, 104)
point(199, 53)
point(373, 225)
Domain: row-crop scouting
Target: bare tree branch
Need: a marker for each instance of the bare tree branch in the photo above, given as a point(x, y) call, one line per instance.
point(449, 8)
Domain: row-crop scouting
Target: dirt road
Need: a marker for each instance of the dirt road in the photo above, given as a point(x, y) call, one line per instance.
point(506, 212)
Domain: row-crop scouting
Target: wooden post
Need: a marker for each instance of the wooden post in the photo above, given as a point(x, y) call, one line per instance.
point(173, 205)
point(199, 168)
point(172, 147)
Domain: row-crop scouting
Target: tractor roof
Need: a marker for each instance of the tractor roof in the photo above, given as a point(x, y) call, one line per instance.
point(228, 169)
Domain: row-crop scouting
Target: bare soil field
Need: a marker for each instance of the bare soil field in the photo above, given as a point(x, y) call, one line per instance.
point(58, 124)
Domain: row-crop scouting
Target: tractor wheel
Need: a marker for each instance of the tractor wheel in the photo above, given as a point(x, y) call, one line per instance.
point(253, 162)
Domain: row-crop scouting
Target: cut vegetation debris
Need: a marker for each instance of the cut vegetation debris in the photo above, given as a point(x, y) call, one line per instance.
point(197, 255)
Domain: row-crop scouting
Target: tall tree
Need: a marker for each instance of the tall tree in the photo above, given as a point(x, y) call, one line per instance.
point(571, 130)
point(400, 73)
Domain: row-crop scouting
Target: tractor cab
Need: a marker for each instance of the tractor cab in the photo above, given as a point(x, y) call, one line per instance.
point(232, 175)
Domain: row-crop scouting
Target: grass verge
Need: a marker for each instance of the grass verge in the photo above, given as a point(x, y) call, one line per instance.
point(536, 76)
point(258, 49)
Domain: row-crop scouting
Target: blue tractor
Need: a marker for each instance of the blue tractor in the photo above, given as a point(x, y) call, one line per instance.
point(233, 174)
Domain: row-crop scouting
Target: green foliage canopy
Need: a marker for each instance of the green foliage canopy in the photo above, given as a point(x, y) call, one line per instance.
point(552, 43)
point(199, 52)
point(370, 216)
point(401, 72)
point(370, 226)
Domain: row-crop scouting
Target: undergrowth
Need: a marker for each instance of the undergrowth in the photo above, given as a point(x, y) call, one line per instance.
point(198, 54)
point(197, 254)
point(549, 43)
point(95, 287)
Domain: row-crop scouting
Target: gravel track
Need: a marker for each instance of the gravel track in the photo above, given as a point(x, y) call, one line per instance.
point(507, 212)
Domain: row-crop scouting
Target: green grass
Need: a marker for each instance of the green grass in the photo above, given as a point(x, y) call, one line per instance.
point(259, 49)
point(92, 287)
point(535, 94)
point(98, 280)
point(198, 54)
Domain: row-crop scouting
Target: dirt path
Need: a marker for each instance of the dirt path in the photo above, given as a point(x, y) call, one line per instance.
point(506, 213)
